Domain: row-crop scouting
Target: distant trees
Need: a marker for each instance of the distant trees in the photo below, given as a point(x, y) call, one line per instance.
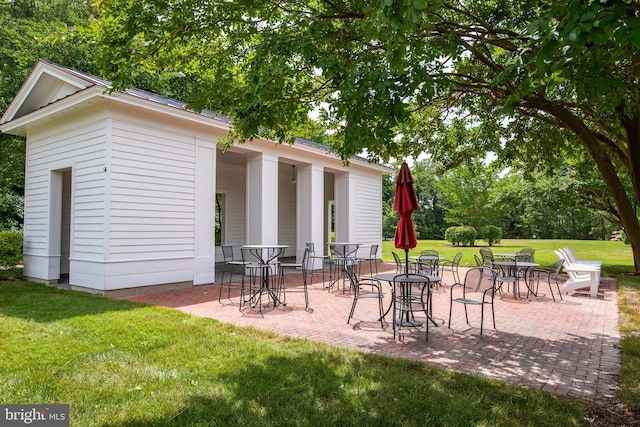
point(32, 30)
point(514, 204)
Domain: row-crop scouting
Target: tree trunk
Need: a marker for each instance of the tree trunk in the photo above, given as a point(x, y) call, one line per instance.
point(601, 157)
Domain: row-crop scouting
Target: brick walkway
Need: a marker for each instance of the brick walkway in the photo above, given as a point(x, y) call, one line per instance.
point(569, 348)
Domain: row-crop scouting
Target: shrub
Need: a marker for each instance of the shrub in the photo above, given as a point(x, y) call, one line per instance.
point(451, 235)
point(10, 248)
point(463, 235)
point(467, 235)
point(490, 234)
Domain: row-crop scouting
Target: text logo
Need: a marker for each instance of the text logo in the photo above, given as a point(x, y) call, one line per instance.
point(34, 415)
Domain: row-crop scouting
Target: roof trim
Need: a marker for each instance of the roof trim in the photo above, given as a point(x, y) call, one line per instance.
point(81, 87)
point(40, 71)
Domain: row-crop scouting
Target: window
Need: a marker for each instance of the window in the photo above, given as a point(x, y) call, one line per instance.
point(332, 221)
point(219, 219)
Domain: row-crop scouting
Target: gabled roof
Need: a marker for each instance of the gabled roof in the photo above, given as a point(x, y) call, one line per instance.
point(45, 85)
point(50, 83)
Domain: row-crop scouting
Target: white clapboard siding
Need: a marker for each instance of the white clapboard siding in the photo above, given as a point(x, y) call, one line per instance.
point(79, 146)
point(369, 211)
point(152, 206)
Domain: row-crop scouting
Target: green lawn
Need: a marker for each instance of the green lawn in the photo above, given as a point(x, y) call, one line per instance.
point(119, 363)
point(616, 256)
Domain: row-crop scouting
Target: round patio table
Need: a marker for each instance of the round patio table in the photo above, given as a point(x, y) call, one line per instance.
point(343, 254)
point(405, 292)
point(516, 267)
point(265, 259)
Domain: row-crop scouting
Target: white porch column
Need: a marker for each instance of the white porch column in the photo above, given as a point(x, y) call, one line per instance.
point(262, 199)
point(345, 205)
point(205, 193)
point(310, 211)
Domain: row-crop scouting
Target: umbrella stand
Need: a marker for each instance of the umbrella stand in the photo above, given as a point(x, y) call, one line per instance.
point(406, 260)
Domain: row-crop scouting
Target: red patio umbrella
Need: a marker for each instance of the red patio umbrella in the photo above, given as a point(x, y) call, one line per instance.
point(405, 202)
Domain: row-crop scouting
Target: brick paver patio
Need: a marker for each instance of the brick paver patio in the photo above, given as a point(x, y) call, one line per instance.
point(569, 348)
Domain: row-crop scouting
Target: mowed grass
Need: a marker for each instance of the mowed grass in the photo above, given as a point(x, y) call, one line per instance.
point(629, 308)
point(119, 363)
point(616, 257)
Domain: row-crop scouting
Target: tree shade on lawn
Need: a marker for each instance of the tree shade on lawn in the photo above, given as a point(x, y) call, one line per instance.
point(405, 202)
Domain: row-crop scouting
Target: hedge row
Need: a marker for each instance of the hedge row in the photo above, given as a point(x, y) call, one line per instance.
point(466, 235)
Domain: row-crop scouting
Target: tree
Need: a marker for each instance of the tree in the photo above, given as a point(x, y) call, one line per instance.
point(546, 206)
point(32, 30)
point(466, 192)
point(566, 67)
point(429, 219)
point(390, 217)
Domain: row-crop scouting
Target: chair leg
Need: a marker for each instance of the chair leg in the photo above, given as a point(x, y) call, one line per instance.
point(305, 290)
point(551, 290)
point(493, 314)
point(242, 292)
point(559, 293)
point(221, 285)
point(394, 321)
point(353, 308)
point(281, 287)
point(224, 270)
point(427, 320)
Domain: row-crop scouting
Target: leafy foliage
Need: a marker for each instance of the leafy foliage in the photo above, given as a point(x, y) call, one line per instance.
point(464, 235)
point(490, 234)
point(521, 79)
point(10, 248)
point(11, 210)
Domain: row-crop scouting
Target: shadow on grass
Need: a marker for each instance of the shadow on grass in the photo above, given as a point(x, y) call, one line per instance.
point(323, 388)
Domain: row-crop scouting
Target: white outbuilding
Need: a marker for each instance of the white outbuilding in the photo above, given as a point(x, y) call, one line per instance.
point(124, 190)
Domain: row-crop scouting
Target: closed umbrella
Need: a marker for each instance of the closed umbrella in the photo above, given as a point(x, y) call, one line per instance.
point(405, 202)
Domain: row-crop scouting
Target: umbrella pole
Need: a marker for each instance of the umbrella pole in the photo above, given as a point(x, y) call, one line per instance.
point(406, 261)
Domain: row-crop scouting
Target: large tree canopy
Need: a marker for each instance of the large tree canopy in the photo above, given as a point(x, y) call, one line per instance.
point(525, 79)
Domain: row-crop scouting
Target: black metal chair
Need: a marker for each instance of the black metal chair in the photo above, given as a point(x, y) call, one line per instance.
point(228, 267)
point(303, 268)
point(372, 259)
point(507, 274)
point(487, 256)
point(400, 266)
point(452, 266)
point(427, 265)
point(484, 268)
point(525, 255)
point(549, 276)
point(364, 288)
point(411, 293)
point(311, 247)
point(476, 290)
